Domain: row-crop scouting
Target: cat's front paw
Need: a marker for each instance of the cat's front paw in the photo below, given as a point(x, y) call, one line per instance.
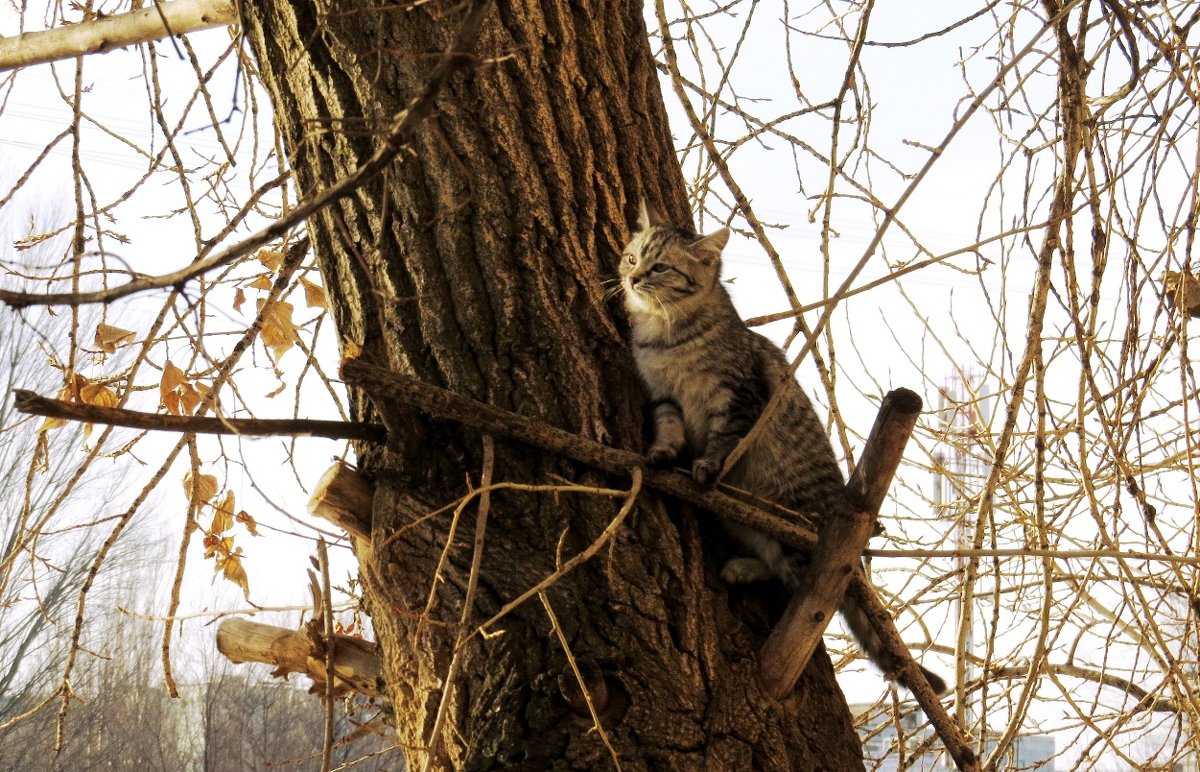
point(705, 471)
point(661, 455)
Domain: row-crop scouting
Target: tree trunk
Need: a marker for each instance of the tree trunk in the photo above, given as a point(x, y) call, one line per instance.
point(479, 262)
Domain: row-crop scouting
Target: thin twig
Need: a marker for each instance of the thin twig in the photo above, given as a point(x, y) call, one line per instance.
point(436, 748)
point(330, 654)
point(587, 694)
point(571, 564)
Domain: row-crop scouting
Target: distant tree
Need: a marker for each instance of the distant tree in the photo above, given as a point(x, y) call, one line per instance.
point(49, 505)
point(251, 725)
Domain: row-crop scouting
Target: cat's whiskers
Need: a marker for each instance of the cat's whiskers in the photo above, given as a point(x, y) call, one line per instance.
point(662, 303)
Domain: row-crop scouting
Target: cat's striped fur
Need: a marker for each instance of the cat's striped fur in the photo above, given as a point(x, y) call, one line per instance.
point(709, 377)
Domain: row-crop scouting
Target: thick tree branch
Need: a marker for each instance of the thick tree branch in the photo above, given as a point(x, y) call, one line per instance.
point(405, 123)
point(35, 404)
point(838, 555)
point(106, 33)
point(355, 661)
point(387, 387)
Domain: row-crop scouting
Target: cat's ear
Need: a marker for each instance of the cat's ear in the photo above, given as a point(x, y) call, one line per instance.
point(648, 216)
point(709, 247)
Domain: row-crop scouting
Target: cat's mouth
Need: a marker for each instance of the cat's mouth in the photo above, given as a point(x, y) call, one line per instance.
point(638, 298)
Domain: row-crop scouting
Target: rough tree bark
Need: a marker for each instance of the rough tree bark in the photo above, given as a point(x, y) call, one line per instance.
point(478, 262)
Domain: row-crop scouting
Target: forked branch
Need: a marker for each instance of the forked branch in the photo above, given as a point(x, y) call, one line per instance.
point(838, 554)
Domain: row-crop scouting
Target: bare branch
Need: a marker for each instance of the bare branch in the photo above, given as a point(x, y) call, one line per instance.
point(103, 34)
point(387, 387)
point(34, 404)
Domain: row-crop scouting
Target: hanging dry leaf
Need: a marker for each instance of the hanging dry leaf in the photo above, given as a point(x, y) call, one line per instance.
point(50, 423)
point(239, 298)
point(171, 379)
point(233, 570)
point(262, 283)
point(314, 294)
point(223, 515)
point(278, 333)
point(69, 393)
point(109, 338)
point(1183, 292)
point(203, 490)
point(219, 547)
point(71, 390)
point(270, 258)
point(245, 519)
point(99, 395)
point(189, 398)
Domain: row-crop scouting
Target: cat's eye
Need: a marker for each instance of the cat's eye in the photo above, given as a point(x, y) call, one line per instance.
point(631, 259)
point(659, 268)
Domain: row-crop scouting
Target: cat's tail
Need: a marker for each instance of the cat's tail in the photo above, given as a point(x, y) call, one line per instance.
point(863, 630)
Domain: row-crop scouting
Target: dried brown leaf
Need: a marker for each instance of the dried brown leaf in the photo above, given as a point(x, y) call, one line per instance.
point(110, 338)
point(270, 258)
point(234, 571)
point(278, 333)
point(1183, 292)
point(247, 520)
point(99, 395)
point(223, 515)
point(189, 398)
point(172, 377)
point(314, 294)
point(203, 490)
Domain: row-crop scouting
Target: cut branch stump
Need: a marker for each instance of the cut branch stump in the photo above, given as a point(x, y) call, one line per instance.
point(355, 660)
point(344, 496)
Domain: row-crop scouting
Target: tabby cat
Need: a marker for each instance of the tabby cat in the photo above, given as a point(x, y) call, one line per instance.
point(709, 377)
